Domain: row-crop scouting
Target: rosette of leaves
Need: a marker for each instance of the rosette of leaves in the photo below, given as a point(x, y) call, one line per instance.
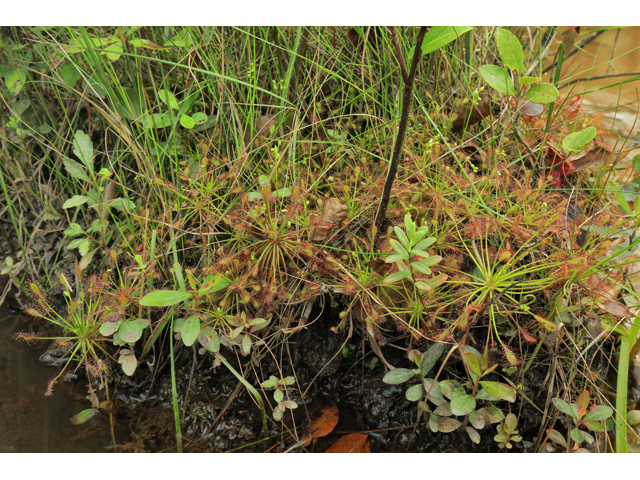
point(280, 385)
point(424, 362)
point(101, 197)
point(244, 328)
point(451, 398)
point(412, 243)
point(460, 400)
point(125, 333)
point(596, 419)
point(507, 432)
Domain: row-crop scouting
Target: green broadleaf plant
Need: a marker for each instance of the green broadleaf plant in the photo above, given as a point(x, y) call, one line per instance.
point(411, 244)
point(500, 79)
point(438, 37)
point(575, 142)
point(594, 419)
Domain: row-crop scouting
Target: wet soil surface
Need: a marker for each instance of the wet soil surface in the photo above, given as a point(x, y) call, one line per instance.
point(323, 372)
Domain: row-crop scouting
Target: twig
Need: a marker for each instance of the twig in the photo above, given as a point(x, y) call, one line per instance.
point(583, 44)
point(406, 102)
point(599, 77)
point(396, 43)
point(231, 398)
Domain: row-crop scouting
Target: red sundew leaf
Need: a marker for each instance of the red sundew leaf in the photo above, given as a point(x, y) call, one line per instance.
point(352, 443)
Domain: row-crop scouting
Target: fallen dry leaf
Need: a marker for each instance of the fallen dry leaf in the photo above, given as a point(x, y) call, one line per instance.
point(593, 158)
point(334, 211)
point(615, 309)
point(478, 112)
point(323, 418)
point(352, 443)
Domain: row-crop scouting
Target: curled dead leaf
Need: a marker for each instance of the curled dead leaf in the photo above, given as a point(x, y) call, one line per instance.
point(530, 109)
point(478, 112)
point(352, 443)
point(334, 211)
point(615, 309)
point(593, 158)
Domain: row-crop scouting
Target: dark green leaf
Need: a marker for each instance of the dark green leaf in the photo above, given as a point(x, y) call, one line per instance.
point(75, 169)
point(414, 393)
point(190, 330)
point(200, 118)
point(462, 404)
point(571, 410)
point(69, 74)
point(83, 149)
point(398, 376)
point(543, 93)
point(444, 409)
point(73, 230)
point(131, 331)
point(598, 413)
point(214, 284)
point(447, 387)
point(187, 122)
point(168, 99)
point(433, 392)
point(576, 435)
point(557, 437)
point(528, 80)
point(75, 201)
point(575, 142)
point(472, 363)
point(430, 357)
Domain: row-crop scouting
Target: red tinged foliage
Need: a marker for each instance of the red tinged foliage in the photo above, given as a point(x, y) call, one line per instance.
point(352, 443)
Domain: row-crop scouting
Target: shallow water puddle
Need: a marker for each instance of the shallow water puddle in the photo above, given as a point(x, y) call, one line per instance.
point(31, 422)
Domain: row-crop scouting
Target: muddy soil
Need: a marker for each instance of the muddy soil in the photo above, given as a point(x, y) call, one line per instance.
point(220, 415)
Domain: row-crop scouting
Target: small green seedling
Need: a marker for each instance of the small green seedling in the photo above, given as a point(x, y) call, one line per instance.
point(280, 385)
point(594, 420)
point(411, 244)
point(507, 432)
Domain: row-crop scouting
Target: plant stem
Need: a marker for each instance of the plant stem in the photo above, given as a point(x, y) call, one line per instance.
point(396, 44)
point(252, 390)
point(174, 393)
point(406, 103)
point(622, 385)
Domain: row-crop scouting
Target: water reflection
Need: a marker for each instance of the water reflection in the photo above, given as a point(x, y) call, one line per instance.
point(31, 422)
point(613, 52)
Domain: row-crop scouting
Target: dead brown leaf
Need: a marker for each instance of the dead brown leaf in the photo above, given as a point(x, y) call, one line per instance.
point(334, 211)
point(352, 443)
point(478, 112)
point(593, 158)
point(323, 418)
